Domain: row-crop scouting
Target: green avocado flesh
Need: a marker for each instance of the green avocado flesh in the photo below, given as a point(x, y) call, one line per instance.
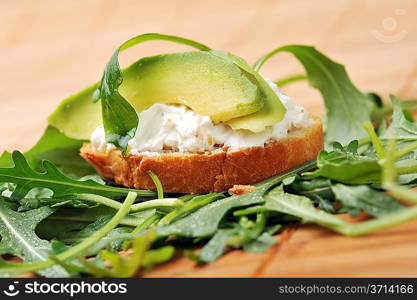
point(207, 84)
point(211, 83)
point(273, 110)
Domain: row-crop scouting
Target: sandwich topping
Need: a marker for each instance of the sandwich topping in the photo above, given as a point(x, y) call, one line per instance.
point(165, 127)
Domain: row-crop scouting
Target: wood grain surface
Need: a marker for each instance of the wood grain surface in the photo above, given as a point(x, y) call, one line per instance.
point(51, 49)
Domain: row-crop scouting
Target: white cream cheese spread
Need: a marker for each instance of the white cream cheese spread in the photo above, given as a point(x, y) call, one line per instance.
point(175, 127)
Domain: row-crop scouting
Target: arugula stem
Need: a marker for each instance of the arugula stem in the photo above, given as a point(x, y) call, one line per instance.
point(157, 183)
point(249, 211)
point(147, 223)
point(152, 219)
point(380, 152)
point(404, 151)
point(387, 109)
point(79, 248)
point(157, 203)
point(150, 204)
point(188, 197)
point(406, 169)
point(102, 232)
point(258, 64)
point(99, 199)
point(190, 206)
point(239, 240)
point(390, 172)
point(377, 224)
point(401, 193)
point(290, 79)
point(363, 141)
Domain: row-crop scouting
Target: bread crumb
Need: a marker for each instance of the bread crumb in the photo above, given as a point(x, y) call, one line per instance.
point(239, 189)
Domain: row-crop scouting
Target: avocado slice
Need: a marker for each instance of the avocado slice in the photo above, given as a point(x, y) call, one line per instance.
point(208, 84)
point(273, 110)
point(214, 83)
point(77, 116)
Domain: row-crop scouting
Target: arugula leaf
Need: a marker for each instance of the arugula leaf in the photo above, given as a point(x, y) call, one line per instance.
point(52, 202)
point(407, 179)
point(243, 234)
point(303, 208)
point(248, 230)
point(190, 206)
point(13, 267)
point(317, 189)
point(400, 128)
point(57, 148)
point(390, 174)
point(347, 107)
point(157, 256)
point(79, 248)
point(73, 266)
point(54, 146)
point(6, 159)
point(216, 246)
point(32, 200)
point(365, 198)
point(260, 244)
point(79, 232)
point(123, 266)
point(26, 179)
point(246, 234)
point(345, 165)
point(351, 172)
point(311, 188)
point(205, 221)
point(61, 150)
point(71, 237)
point(113, 241)
point(17, 231)
point(383, 110)
point(50, 229)
point(120, 119)
point(38, 197)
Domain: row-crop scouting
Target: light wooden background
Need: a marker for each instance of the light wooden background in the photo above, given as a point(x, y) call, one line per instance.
point(51, 49)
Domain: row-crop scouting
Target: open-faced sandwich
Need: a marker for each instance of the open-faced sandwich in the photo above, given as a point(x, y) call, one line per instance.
point(206, 122)
point(203, 122)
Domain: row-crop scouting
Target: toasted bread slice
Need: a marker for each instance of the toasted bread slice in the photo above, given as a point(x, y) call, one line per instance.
point(217, 171)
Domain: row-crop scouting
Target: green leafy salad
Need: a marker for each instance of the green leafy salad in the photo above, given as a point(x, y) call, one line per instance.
point(62, 220)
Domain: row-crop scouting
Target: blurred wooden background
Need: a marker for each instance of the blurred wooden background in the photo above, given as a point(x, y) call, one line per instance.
point(51, 49)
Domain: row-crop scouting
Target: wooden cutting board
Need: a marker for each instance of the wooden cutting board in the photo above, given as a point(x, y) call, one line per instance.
point(311, 251)
point(51, 49)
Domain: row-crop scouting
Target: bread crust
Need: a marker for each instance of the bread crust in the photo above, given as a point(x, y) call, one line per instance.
point(203, 173)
